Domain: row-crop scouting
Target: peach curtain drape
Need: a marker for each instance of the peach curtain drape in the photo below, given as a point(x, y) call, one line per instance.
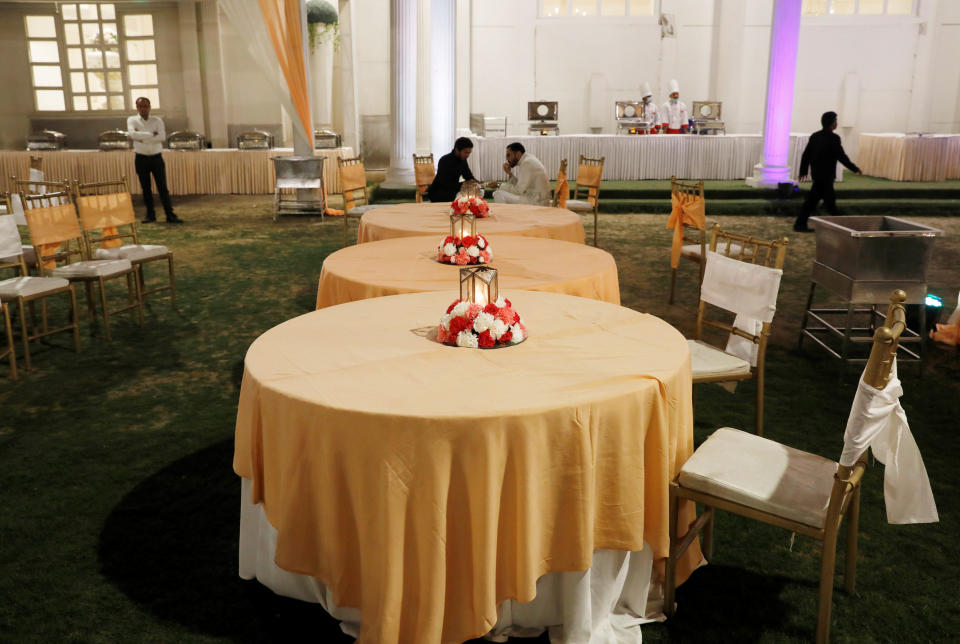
point(282, 19)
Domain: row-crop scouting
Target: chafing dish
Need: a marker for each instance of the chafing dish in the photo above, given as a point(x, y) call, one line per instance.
point(184, 140)
point(325, 140)
point(706, 117)
point(255, 140)
point(630, 120)
point(543, 117)
point(114, 140)
point(47, 140)
point(482, 125)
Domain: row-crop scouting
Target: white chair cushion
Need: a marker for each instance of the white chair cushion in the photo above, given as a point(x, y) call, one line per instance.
point(577, 204)
point(133, 252)
point(709, 362)
point(93, 268)
point(15, 287)
point(359, 210)
point(762, 474)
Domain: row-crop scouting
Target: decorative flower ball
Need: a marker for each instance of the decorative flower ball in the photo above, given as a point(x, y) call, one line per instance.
point(472, 326)
point(469, 250)
point(476, 206)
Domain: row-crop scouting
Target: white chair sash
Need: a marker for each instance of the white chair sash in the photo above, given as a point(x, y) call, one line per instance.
point(748, 290)
point(877, 421)
point(9, 237)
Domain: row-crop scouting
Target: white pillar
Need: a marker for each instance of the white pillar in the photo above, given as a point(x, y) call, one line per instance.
point(462, 44)
point(403, 92)
point(346, 115)
point(443, 75)
point(423, 76)
point(781, 75)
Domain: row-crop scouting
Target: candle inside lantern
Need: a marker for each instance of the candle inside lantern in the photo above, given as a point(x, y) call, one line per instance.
point(463, 225)
point(479, 293)
point(479, 285)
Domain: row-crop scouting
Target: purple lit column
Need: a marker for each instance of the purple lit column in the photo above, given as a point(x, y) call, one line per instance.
point(784, 40)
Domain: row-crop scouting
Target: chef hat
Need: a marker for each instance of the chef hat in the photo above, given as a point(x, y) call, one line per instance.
point(674, 86)
point(646, 90)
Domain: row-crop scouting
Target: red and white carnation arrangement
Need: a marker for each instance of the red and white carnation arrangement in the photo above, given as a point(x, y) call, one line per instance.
point(469, 250)
point(466, 324)
point(476, 206)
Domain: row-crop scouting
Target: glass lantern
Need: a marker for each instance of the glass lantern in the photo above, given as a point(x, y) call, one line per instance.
point(463, 225)
point(478, 285)
point(470, 188)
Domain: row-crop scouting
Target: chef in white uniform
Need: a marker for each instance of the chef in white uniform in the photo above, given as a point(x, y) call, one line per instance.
point(650, 113)
point(676, 120)
point(528, 182)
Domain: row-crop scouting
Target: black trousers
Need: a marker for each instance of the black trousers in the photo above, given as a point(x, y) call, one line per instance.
point(819, 190)
point(146, 165)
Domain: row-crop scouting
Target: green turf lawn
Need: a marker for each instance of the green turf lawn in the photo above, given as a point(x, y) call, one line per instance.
point(121, 509)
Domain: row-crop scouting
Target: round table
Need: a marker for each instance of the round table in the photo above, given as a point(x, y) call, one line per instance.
point(424, 483)
point(415, 219)
point(409, 265)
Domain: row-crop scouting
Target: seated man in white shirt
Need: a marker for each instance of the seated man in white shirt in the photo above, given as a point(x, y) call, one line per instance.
point(528, 182)
point(148, 134)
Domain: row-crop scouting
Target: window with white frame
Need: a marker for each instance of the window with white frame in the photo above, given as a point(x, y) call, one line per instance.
point(859, 7)
point(81, 60)
point(595, 8)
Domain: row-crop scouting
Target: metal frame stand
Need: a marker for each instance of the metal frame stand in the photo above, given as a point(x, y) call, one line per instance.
point(850, 335)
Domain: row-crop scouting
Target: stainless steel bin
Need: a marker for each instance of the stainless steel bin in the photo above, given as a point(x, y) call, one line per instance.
point(298, 188)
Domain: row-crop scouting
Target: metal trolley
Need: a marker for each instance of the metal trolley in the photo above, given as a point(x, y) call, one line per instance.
point(299, 186)
point(862, 259)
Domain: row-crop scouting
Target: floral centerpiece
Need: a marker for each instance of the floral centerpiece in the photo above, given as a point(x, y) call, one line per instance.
point(467, 324)
point(470, 249)
point(480, 318)
point(464, 204)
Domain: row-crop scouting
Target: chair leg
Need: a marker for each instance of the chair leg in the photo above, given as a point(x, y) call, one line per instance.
point(707, 543)
point(105, 310)
point(670, 572)
point(595, 228)
point(75, 318)
point(91, 307)
point(825, 603)
point(24, 334)
point(673, 284)
point(11, 347)
point(139, 294)
point(853, 528)
point(760, 388)
point(173, 285)
point(45, 325)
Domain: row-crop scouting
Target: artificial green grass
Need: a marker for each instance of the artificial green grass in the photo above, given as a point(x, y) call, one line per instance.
point(121, 509)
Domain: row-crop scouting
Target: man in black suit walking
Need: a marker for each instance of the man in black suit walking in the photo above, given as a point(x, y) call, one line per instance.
point(820, 157)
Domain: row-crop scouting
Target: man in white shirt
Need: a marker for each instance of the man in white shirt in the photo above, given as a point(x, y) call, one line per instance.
point(148, 135)
point(527, 183)
point(650, 114)
point(676, 120)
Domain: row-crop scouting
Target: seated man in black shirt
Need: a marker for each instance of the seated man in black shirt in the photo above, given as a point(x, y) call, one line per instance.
point(820, 156)
point(451, 167)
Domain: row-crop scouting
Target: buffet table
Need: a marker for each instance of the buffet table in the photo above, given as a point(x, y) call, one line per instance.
point(409, 265)
point(426, 485)
point(208, 172)
point(902, 157)
point(724, 156)
point(418, 219)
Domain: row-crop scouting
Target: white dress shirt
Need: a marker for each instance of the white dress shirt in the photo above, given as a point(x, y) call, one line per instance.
point(148, 135)
point(675, 115)
point(527, 184)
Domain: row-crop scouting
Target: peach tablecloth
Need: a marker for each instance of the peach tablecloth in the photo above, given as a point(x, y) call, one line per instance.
point(425, 484)
point(415, 219)
point(210, 172)
point(901, 157)
point(408, 265)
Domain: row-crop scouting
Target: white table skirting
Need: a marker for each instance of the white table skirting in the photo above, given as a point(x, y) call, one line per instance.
point(902, 157)
point(603, 605)
point(690, 156)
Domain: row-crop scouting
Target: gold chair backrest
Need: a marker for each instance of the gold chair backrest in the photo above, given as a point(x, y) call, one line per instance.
point(749, 249)
point(423, 169)
point(107, 218)
point(39, 187)
point(691, 234)
point(561, 177)
point(770, 254)
point(589, 174)
point(885, 341)
point(113, 186)
point(353, 180)
point(694, 189)
point(54, 230)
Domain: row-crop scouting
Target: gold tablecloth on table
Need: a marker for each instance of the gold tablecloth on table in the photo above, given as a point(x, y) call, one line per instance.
point(901, 157)
point(424, 484)
point(209, 172)
point(409, 265)
point(415, 219)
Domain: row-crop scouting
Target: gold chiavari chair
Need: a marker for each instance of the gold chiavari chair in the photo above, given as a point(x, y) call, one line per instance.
point(694, 236)
point(586, 195)
point(353, 183)
point(424, 172)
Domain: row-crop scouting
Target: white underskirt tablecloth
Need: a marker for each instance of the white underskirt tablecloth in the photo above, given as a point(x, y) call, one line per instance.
point(603, 605)
point(661, 156)
point(903, 157)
